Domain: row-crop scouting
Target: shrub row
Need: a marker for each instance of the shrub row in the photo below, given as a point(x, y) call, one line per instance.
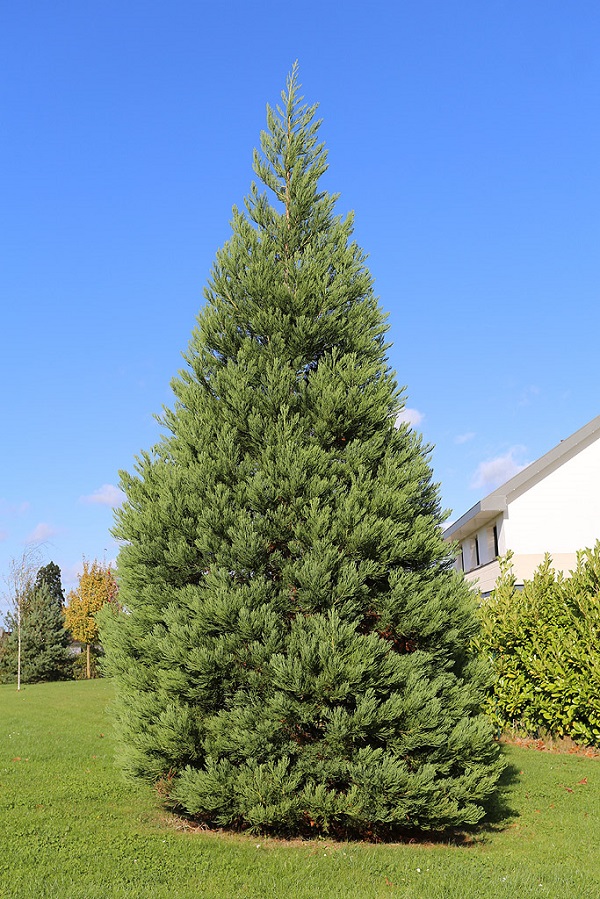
point(544, 644)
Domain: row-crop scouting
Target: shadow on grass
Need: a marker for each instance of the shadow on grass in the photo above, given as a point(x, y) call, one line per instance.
point(499, 813)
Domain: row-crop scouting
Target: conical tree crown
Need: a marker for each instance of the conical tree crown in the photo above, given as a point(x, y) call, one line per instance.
point(294, 652)
point(44, 640)
point(51, 576)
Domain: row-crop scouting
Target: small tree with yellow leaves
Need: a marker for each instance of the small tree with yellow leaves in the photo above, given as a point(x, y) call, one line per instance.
point(97, 586)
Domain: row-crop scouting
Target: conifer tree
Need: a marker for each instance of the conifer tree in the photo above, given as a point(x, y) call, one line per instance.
point(50, 575)
point(44, 640)
point(294, 653)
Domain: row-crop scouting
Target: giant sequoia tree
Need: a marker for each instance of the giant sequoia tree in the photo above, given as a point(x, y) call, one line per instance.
point(294, 650)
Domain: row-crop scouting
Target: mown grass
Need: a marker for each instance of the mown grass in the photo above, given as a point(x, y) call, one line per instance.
point(71, 828)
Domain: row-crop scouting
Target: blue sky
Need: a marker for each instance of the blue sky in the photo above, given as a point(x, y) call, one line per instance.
point(464, 135)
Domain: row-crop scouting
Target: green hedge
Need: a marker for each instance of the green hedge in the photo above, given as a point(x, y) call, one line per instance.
point(544, 644)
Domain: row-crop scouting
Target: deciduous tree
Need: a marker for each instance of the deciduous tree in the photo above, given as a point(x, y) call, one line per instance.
point(19, 583)
point(97, 587)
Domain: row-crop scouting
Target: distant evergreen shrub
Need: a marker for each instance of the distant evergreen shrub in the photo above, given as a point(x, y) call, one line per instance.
point(294, 651)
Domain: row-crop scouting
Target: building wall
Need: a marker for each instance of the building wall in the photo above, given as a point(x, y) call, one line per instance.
point(484, 578)
point(478, 560)
point(559, 515)
point(524, 566)
point(561, 512)
point(482, 547)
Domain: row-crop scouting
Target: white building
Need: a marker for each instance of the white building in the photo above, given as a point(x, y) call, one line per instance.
point(551, 506)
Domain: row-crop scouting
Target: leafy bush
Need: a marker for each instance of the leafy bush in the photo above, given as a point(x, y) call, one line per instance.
point(544, 643)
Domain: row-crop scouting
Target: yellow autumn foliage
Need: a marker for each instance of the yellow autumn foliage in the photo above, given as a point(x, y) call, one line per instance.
point(97, 586)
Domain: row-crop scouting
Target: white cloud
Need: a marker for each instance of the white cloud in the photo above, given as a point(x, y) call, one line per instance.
point(493, 472)
point(411, 417)
point(13, 510)
point(41, 533)
point(528, 395)
point(70, 575)
point(107, 495)
point(464, 438)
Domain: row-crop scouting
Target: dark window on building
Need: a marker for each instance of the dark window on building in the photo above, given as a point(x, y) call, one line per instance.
point(496, 549)
point(477, 561)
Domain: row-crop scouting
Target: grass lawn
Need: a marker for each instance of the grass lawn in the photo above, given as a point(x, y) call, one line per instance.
point(70, 827)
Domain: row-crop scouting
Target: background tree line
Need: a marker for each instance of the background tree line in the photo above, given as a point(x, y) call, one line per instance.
point(42, 630)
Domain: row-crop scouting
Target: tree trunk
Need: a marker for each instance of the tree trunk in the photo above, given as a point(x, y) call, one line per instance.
point(88, 666)
point(19, 650)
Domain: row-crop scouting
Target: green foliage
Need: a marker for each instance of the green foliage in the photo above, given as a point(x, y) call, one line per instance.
point(294, 655)
point(44, 641)
point(79, 663)
point(544, 642)
point(50, 576)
